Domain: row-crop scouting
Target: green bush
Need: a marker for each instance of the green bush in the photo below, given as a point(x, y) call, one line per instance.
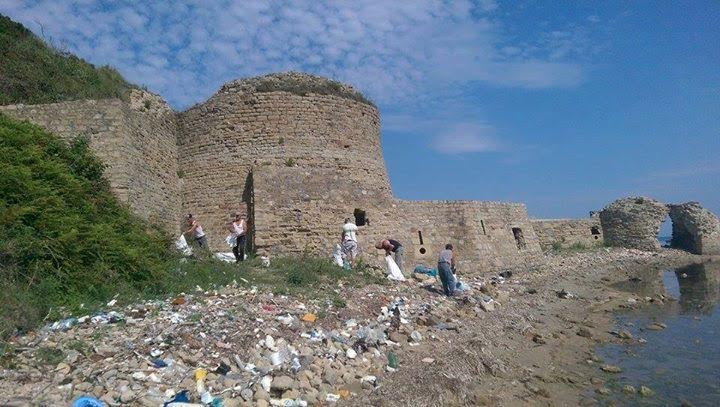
point(33, 72)
point(66, 238)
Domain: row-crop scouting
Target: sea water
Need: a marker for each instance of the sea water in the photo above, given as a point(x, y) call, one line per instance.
point(680, 363)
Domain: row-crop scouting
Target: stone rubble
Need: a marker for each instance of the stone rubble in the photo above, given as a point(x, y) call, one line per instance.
point(237, 345)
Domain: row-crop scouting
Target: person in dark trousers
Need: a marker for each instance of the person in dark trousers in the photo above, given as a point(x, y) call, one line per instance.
point(238, 230)
point(394, 247)
point(446, 265)
point(197, 232)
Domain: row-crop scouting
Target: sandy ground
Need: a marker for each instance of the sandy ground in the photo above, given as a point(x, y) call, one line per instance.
point(534, 348)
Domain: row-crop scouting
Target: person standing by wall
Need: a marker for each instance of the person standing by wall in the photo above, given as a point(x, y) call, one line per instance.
point(349, 241)
point(197, 232)
point(446, 265)
point(394, 247)
point(238, 230)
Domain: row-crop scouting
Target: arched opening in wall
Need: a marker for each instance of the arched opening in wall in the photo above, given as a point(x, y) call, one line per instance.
point(519, 238)
point(666, 232)
point(360, 217)
point(679, 237)
point(595, 232)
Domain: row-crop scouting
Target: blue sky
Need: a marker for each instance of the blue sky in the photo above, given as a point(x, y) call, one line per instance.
point(563, 105)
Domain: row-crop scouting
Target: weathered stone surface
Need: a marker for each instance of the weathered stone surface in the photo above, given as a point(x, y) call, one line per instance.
point(633, 223)
point(695, 229)
point(568, 232)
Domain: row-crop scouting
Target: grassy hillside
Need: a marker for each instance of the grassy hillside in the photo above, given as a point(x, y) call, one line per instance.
point(33, 72)
point(65, 238)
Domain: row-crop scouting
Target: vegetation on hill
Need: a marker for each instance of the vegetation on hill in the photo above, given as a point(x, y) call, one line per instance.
point(66, 239)
point(32, 72)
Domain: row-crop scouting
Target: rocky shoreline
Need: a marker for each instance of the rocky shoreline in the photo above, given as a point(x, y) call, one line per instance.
point(526, 338)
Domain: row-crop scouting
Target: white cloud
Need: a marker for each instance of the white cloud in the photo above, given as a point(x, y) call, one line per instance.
point(393, 51)
point(466, 138)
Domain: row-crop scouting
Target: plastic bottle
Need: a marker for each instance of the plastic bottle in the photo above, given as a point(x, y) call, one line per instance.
point(392, 360)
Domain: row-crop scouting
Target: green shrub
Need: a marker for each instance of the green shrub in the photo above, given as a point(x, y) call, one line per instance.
point(32, 71)
point(66, 238)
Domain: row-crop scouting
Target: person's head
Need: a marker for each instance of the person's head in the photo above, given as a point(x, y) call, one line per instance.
point(238, 215)
point(381, 244)
point(448, 246)
point(347, 220)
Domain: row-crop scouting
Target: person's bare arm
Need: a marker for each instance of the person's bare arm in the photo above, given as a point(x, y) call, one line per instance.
point(192, 227)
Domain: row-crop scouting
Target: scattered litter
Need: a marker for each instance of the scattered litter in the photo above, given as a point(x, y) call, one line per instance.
point(159, 363)
point(432, 272)
point(309, 317)
point(565, 295)
point(87, 401)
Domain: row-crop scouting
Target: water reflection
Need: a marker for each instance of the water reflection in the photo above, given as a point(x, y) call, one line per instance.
point(699, 287)
point(681, 362)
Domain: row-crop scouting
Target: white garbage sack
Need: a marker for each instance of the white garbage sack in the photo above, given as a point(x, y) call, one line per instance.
point(230, 240)
point(226, 257)
point(181, 245)
point(393, 271)
point(337, 255)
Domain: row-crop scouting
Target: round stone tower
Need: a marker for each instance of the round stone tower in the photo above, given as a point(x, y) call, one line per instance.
point(288, 123)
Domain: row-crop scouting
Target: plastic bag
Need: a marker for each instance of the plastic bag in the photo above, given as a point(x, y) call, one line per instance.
point(337, 255)
point(393, 270)
point(226, 257)
point(461, 286)
point(231, 240)
point(181, 245)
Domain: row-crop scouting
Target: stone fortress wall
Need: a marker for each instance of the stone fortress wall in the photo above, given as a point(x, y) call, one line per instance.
point(299, 154)
point(135, 139)
point(565, 233)
point(242, 129)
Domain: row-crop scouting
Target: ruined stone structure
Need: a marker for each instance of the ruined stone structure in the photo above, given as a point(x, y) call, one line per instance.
point(695, 229)
point(633, 223)
point(568, 232)
point(299, 154)
point(136, 140)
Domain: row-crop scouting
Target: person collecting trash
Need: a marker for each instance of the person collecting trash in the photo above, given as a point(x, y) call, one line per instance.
point(446, 266)
point(395, 248)
point(238, 230)
point(197, 232)
point(349, 241)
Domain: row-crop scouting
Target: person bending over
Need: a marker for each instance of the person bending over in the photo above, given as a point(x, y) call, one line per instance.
point(394, 247)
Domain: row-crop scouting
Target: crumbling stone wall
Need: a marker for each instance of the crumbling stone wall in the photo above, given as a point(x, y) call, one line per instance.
point(135, 140)
point(481, 232)
point(695, 229)
point(633, 223)
point(243, 127)
point(568, 232)
point(298, 213)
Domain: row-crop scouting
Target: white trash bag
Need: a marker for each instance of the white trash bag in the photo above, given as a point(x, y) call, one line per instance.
point(181, 245)
point(230, 240)
point(393, 271)
point(337, 255)
point(226, 257)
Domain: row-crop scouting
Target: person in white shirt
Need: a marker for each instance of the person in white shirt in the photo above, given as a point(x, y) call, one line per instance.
point(349, 241)
point(197, 232)
point(238, 230)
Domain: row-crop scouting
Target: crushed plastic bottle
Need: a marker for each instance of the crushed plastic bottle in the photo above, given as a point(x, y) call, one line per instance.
point(392, 360)
point(64, 324)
